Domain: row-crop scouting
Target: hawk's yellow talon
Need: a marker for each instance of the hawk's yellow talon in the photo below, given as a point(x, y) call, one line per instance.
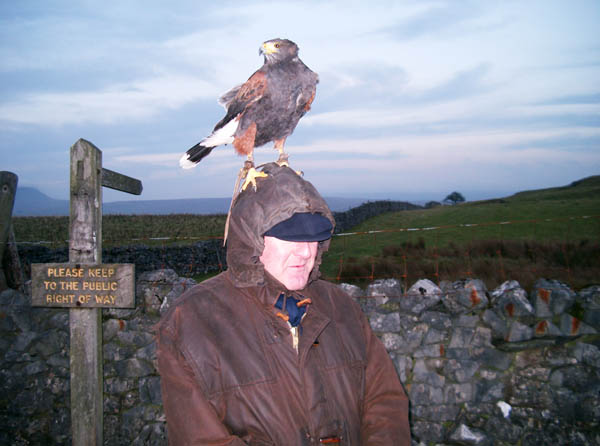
point(251, 177)
point(283, 162)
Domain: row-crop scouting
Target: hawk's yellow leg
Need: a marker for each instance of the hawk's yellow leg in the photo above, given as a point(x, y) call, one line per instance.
point(251, 173)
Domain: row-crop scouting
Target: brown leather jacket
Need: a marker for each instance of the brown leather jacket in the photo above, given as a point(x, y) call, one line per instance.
point(230, 375)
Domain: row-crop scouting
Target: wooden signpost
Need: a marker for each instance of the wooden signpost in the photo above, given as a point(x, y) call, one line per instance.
point(80, 285)
point(86, 285)
point(8, 189)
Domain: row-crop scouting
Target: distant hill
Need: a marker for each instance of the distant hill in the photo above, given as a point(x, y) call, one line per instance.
point(586, 187)
point(31, 202)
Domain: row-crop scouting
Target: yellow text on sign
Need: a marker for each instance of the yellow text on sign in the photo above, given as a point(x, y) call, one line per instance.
point(68, 285)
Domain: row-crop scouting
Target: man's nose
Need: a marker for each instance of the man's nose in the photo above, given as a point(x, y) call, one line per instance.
point(302, 249)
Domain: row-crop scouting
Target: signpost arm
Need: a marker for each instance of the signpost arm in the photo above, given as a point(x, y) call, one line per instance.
point(123, 183)
point(85, 247)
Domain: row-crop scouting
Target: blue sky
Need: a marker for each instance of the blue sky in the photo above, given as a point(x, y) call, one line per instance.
point(416, 98)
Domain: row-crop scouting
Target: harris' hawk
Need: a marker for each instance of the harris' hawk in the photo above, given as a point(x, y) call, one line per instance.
point(267, 107)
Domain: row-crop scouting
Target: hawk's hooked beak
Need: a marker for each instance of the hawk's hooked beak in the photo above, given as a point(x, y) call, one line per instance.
point(267, 48)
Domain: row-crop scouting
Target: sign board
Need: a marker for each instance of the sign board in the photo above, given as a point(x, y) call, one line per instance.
point(83, 285)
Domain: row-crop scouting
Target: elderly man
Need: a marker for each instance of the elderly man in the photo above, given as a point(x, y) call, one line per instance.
point(265, 353)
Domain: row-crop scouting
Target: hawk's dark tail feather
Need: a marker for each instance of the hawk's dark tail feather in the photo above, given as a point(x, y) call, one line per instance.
point(198, 152)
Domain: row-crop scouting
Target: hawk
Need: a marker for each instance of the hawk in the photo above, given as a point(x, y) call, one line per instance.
point(267, 107)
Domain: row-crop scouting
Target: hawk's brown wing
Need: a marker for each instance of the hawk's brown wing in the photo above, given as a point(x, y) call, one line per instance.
point(239, 98)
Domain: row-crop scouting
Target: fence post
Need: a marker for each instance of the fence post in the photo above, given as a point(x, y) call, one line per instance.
point(85, 247)
point(8, 189)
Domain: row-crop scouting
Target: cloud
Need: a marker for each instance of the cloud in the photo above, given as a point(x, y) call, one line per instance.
point(220, 160)
point(591, 98)
point(467, 98)
point(157, 159)
point(461, 85)
point(398, 116)
point(590, 109)
point(477, 161)
point(439, 17)
point(476, 144)
point(123, 102)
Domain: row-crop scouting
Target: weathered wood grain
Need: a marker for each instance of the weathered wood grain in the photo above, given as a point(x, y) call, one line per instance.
point(8, 189)
point(85, 247)
point(123, 183)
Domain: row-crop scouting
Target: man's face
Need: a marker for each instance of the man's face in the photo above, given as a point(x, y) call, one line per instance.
point(289, 262)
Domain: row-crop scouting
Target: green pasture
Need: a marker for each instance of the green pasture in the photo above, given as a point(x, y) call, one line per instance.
point(550, 232)
point(462, 224)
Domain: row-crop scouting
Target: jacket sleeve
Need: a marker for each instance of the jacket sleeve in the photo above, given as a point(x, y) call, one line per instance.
point(385, 406)
point(191, 419)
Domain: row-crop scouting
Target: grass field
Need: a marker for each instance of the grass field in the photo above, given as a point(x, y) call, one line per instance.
point(553, 233)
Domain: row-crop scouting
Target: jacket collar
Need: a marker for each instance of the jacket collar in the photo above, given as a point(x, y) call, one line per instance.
point(268, 292)
point(312, 325)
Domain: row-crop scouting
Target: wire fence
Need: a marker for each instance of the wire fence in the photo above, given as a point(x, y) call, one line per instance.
point(562, 248)
point(566, 248)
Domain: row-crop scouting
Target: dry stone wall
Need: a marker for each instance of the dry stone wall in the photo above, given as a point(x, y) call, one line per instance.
point(500, 367)
point(199, 258)
point(189, 260)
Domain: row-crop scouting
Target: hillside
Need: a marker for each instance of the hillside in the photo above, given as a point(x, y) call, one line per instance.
point(585, 188)
point(553, 232)
point(30, 201)
point(578, 199)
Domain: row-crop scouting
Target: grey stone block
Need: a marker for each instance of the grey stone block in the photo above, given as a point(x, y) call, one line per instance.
point(519, 332)
point(469, 436)
point(551, 297)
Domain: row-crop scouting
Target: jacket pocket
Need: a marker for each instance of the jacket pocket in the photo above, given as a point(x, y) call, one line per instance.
point(236, 361)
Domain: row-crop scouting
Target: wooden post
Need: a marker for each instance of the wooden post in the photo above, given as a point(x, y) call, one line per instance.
point(12, 264)
point(86, 285)
point(8, 188)
point(85, 247)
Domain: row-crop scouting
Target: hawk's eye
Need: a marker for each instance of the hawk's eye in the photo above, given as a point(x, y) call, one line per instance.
point(277, 45)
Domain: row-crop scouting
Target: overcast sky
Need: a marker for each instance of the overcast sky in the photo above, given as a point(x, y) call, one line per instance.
point(416, 98)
